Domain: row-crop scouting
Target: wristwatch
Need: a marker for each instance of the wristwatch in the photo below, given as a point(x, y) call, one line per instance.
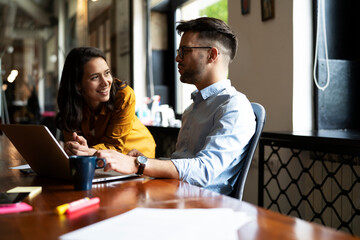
point(141, 161)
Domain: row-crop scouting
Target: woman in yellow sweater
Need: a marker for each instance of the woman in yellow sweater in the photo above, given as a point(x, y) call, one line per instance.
point(97, 111)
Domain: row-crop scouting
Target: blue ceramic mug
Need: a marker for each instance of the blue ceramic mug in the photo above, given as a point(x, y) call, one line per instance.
point(82, 169)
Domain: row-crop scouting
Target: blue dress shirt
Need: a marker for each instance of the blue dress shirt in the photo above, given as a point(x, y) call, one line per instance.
point(216, 129)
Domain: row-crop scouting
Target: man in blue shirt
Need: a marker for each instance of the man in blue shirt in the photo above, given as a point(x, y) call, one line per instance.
point(216, 127)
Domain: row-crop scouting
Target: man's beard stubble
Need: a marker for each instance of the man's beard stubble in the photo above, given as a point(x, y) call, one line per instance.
point(188, 77)
point(191, 76)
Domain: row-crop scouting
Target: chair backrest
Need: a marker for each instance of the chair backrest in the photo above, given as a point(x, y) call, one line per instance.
point(260, 115)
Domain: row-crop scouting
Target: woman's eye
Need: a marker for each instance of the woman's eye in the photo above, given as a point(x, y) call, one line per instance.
point(94, 77)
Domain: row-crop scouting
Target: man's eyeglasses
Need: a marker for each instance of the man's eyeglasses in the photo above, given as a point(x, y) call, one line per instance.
point(180, 50)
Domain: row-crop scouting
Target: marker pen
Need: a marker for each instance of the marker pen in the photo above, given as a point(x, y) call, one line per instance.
point(64, 207)
point(85, 204)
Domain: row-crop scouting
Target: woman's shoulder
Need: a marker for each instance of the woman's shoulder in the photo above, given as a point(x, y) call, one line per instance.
point(123, 87)
point(124, 94)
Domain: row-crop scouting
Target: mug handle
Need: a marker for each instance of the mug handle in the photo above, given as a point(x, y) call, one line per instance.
point(102, 160)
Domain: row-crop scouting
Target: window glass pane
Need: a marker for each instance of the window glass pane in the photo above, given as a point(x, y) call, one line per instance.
point(190, 10)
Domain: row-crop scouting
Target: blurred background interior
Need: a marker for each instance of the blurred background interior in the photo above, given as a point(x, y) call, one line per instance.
point(138, 38)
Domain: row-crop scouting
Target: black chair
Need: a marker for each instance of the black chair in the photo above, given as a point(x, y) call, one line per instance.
point(260, 114)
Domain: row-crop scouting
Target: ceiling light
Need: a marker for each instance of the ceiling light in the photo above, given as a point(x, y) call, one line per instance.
point(12, 76)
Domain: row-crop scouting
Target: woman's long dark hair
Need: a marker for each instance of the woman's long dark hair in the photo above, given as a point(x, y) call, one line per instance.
point(70, 101)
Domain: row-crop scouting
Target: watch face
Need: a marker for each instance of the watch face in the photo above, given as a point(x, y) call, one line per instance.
point(142, 159)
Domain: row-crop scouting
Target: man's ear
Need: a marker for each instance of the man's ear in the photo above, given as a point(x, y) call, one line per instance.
point(214, 53)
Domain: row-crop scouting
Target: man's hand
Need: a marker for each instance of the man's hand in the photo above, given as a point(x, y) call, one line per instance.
point(126, 164)
point(117, 161)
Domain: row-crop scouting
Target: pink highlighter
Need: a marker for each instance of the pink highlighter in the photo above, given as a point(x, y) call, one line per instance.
point(82, 205)
point(15, 207)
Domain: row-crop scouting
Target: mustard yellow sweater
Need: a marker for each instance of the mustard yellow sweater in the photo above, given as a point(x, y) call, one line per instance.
point(119, 129)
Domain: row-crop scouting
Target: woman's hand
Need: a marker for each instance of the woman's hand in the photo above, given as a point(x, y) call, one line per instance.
point(78, 146)
point(135, 153)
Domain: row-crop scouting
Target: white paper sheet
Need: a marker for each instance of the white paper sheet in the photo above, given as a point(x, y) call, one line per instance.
point(169, 224)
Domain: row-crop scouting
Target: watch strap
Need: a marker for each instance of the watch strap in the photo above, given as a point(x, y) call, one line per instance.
point(140, 169)
point(141, 164)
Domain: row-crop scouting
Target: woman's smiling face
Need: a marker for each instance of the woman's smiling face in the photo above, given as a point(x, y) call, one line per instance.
point(96, 82)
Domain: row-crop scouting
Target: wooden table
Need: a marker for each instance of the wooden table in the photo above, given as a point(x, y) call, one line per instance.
point(121, 196)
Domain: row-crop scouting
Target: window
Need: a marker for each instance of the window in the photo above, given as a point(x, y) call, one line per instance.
point(338, 62)
point(99, 30)
point(190, 10)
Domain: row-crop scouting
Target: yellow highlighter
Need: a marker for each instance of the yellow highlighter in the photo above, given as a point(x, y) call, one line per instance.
point(60, 210)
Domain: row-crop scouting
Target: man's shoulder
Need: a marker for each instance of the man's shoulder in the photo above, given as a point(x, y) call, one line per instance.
point(232, 94)
point(232, 100)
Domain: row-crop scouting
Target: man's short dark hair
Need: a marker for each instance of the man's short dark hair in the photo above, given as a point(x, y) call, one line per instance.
point(211, 29)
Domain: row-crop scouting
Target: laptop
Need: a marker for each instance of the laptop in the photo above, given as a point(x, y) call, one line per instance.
point(44, 154)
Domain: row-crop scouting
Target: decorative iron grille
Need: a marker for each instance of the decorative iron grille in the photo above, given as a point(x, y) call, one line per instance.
point(315, 177)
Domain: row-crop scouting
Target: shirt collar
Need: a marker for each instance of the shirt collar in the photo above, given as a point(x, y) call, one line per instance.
point(211, 90)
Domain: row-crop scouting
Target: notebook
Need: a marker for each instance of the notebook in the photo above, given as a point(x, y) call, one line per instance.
point(44, 154)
